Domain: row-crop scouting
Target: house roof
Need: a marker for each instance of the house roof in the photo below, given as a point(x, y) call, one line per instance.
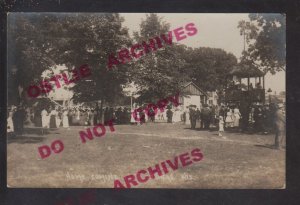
point(245, 71)
point(197, 87)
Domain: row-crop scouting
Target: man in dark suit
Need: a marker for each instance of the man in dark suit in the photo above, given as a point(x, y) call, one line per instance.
point(169, 115)
point(18, 120)
point(280, 123)
point(198, 114)
point(205, 117)
point(193, 117)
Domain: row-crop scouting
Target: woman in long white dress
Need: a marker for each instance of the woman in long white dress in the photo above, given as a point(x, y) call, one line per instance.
point(187, 117)
point(164, 115)
point(229, 119)
point(237, 117)
point(147, 118)
point(65, 119)
point(45, 119)
point(176, 116)
point(58, 119)
point(134, 115)
point(10, 124)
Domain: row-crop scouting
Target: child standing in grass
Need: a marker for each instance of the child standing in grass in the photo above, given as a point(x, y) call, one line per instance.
point(221, 126)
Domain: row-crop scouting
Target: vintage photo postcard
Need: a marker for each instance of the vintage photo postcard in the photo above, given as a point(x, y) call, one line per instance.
point(146, 100)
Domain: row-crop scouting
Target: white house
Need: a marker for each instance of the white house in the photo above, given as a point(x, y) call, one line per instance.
point(63, 94)
point(191, 94)
point(212, 98)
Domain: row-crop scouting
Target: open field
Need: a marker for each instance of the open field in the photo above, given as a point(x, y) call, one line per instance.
point(236, 161)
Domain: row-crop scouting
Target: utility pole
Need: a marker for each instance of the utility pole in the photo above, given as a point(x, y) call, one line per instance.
point(244, 41)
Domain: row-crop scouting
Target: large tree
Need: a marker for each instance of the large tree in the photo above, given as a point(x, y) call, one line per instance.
point(40, 41)
point(209, 67)
point(265, 38)
point(28, 54)
point(157, 74)
point(90, 39)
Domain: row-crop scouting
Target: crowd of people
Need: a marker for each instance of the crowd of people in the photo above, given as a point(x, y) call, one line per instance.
point(55, 117)
point(256, 118)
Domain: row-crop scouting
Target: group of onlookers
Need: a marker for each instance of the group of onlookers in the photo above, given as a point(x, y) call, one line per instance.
point(257, 118)
point(54, 118)
point(57, 116)
point(83, 116)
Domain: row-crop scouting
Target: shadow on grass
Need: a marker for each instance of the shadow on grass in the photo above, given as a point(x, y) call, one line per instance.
point(27, 137)
point(201, 129)
point(266, 146)
point(37, 131)
point(24, 139)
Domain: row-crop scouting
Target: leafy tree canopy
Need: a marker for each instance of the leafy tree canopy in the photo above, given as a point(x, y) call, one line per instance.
point(209, 67)
point(160, 73)
point(28, 53)
point(265, 36)
point(40, 41)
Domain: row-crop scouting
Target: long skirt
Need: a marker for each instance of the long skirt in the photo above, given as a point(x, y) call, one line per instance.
point(187, 121)
point(52, 121)
point(236, 121)
point(45, 121)
point(58, 121)
point(132, 119)
point(92, 120)
point(10, 125)
point(65, 121)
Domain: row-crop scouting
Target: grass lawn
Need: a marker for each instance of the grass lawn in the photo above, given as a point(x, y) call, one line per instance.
point(237, 161)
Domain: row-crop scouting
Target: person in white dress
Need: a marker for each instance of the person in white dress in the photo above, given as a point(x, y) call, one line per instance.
point(10, 124)
point(160, 115)
point(45, 118)
point(65, 119)
point(176, 116)
point(58, 119)
point(77, 114)
point(229, 118)
point(221, 126)
point(147, 118)
point(133, 115)
point(164, 115)
point(237, 117)
point(187, 117)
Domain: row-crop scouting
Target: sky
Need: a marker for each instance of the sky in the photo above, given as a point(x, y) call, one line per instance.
point(214, 31)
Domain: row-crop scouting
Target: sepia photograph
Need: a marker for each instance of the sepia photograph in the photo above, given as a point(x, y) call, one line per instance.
point(146, 100)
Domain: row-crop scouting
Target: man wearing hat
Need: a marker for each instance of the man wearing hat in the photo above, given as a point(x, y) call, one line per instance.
point(169, 115)
point(205, 117)
point(280, 127)
point(193, 116)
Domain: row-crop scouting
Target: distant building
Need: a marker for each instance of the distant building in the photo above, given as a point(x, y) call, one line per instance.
point(276, 98)
point(191, 94)
point(212, 98)
point(62, 95)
